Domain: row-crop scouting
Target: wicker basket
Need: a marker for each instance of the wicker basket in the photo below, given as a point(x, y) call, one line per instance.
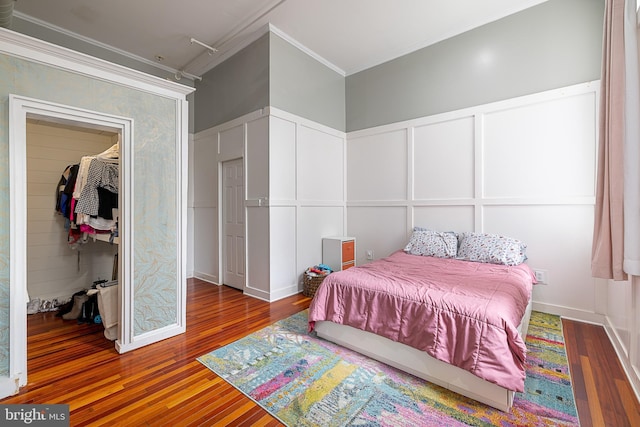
point(311, 284)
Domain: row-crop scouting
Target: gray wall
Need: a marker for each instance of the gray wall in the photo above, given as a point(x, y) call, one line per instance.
point(234, 88)
point(301, 85)
point(554, 44)
point(270, 72)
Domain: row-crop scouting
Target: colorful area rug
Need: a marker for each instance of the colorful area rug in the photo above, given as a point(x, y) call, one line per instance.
point(306, 381)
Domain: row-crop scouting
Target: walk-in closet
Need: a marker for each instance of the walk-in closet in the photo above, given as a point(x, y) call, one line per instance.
point(72, 236)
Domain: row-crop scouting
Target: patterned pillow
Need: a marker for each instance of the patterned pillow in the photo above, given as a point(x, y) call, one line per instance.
point(432, 243)
point(491, 248)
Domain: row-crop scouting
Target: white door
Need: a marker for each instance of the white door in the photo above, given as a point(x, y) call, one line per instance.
point(233, 223)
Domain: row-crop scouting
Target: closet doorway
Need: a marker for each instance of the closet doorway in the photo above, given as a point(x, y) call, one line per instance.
point(61, 259)
point(24, 112)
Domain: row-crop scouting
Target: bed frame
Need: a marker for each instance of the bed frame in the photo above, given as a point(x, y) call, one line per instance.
point(420, 364)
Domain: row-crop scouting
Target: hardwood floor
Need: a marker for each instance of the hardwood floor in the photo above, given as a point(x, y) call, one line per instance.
point(163, 384)
point(603, 394)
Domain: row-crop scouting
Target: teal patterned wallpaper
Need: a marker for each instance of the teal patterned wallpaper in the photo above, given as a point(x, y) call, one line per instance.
point(155, 199)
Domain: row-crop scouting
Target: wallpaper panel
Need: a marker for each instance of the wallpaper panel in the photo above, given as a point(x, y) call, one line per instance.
point(154, 165)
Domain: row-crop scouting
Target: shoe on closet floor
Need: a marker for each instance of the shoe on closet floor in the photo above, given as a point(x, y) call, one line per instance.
point(76, 310)
point(33, 306)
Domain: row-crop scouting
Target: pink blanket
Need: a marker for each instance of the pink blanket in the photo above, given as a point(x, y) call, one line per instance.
point(460, 312)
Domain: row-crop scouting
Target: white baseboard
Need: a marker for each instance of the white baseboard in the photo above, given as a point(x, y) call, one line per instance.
point(274, 295)
point(257, 293)
point(630, 371)
point(150, 338)
point(570, 313)
point(10, 386)
point(206, 277)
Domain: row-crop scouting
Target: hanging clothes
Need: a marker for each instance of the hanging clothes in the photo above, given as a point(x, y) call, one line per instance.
point(64, 190)
point(100, 175)
point(87, 195)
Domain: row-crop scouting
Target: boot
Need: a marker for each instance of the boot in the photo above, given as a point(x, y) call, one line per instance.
point(76, 310)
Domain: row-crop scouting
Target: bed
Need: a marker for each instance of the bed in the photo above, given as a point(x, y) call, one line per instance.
point(457, 323)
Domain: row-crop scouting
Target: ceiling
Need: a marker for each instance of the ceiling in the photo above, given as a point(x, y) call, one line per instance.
point(347, 35)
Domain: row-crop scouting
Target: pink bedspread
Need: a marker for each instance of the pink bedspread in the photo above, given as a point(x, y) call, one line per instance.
point(460, 312)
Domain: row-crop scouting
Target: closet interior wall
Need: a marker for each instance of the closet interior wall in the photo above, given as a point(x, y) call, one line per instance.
point(54, 270)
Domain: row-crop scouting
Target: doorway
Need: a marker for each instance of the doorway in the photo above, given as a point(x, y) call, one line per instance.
point(61, 259)
point(20, 110)
point(233, 224)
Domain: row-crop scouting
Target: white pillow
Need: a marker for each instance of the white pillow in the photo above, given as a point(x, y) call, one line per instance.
point(432, 243)
point(491, 248)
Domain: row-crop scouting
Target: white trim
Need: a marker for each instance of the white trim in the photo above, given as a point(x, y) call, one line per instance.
point(577, 89)
point(257, 293)
point(149, 338)
point(627, 366)
point(182, 201)
point(206, 278)
point(275, 30)
point(18, 296)
point(301, 121)
point(212, 132)
point(9, 386)
point(20, 108)
point(32, 49)
point(570, 313)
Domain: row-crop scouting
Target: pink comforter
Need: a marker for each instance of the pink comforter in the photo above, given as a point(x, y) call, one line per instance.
point(460, 312)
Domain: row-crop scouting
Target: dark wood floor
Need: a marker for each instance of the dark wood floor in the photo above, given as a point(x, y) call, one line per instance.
point(602, 391)
point(163, 384)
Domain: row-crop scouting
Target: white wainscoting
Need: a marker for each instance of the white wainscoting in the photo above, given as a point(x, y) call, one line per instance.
point(295, 195)
point(524, 168)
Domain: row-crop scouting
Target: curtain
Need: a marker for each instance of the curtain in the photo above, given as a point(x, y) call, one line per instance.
point(631, 144)
point(617, 215)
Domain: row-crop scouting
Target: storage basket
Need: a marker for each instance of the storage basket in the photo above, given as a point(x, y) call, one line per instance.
point(311, 284)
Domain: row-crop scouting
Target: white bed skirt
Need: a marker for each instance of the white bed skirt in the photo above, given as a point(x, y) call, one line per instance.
point(420, 364)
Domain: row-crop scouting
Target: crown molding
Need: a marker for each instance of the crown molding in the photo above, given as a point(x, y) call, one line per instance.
point(32, 49)
point(96, 43)
point(238, 43)
point(275, 30)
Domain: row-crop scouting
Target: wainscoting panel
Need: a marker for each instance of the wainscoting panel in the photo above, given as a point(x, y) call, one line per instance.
point(542, 149)
point(524, 168)
point(444, 218)
point(382, 229)
point(314, 223)
point(443, 160)
point(377, 167)
point(320, 165)
point(282, 158)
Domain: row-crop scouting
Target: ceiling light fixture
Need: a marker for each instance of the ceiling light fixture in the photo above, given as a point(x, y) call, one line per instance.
point(212, 50)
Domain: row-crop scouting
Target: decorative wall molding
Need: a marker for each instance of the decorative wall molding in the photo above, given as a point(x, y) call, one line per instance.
point(32, 49)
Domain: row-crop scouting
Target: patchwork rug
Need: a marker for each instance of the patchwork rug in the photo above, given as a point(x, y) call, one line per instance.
point(306, 381)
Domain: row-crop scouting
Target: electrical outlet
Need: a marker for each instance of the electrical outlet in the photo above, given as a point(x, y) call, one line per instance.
point(369, 254)
point(541, 276)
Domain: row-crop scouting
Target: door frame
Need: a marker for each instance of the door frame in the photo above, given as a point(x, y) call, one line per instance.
point(221, 203)
point(21, 108)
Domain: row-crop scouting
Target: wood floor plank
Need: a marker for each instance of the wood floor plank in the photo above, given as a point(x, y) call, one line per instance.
point(592, 392)
point(628, 401)
point(164, 384)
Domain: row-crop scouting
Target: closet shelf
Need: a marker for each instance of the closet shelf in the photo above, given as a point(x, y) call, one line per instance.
point(105, 238)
